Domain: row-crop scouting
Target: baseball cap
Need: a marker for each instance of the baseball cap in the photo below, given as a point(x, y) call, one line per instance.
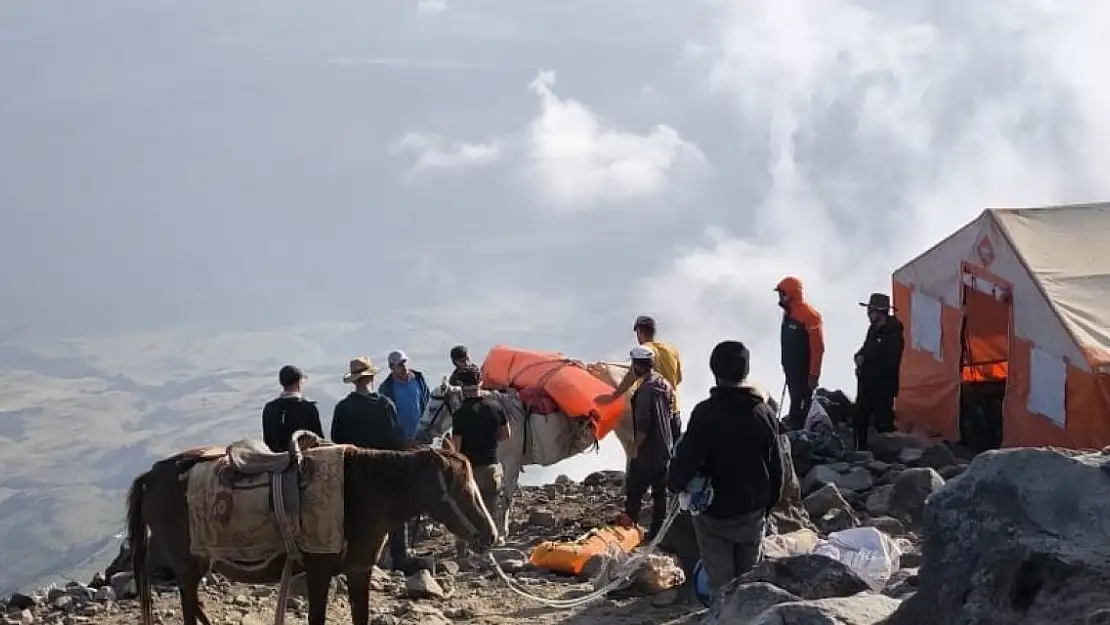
point(469, 375)
point(396, 357)
point(290, 375)
point(642, 353)
point(644, 321)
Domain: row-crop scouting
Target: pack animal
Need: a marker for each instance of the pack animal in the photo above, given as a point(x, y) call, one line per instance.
point(516, 452)
point(247, 513)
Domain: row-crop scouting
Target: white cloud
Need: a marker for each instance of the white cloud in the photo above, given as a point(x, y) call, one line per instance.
point(574, 158)
point(888, 126)
point(579, 160)
point(435, 152)
point(431, 7)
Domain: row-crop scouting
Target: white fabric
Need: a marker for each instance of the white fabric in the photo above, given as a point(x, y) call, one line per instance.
point(925, 324)
point(1047, 380)
point(1068, 251)
point(642, 353)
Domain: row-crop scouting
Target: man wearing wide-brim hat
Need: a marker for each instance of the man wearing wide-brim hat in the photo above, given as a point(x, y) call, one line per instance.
point(877, 365)
point(368, 419)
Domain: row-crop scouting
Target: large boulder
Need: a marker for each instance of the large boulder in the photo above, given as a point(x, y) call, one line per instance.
point(739, 603)
point(862, 609)
point(1022, 536)
point(809, 576)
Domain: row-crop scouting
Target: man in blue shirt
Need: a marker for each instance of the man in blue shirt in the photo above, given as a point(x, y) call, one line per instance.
point(408, 391)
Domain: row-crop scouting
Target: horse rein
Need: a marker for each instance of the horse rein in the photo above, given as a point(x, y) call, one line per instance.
point(445, 495)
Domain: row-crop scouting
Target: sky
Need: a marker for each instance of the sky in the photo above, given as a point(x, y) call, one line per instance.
point(480, 171)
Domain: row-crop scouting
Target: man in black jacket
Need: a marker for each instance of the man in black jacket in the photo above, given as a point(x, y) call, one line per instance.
point(731, 440)
point(368, 419)
point(877, 366)
point(289, 412)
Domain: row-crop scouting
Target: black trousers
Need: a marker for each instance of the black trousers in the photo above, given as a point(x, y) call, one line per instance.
point(800, 397)
point(874, 406)
point(636, 484)
point(398, 546)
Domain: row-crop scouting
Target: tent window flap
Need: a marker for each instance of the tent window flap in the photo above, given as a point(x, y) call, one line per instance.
point(1047, 378)
point(925, 318)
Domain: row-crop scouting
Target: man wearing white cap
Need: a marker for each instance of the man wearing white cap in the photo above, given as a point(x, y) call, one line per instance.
point(651, 448)
point(408, 390)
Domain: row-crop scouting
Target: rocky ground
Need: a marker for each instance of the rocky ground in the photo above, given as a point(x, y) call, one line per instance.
point(996, 502)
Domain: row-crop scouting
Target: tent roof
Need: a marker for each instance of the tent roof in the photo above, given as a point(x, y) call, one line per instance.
point(1067, 251)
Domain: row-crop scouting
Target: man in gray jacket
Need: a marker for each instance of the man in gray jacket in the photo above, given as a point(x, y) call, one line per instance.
point(651, 449)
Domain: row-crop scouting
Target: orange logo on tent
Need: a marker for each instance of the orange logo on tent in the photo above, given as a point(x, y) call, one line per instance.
point(985, 251)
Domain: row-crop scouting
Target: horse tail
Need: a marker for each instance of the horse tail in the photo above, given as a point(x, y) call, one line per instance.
point(139, 542)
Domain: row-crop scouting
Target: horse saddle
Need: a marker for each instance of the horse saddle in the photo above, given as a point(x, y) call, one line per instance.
point(253, 457)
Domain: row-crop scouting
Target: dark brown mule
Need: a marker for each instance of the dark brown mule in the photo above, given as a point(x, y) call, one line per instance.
point(382, 489)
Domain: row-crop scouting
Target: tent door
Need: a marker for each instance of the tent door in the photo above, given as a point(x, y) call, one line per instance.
point(984, 361)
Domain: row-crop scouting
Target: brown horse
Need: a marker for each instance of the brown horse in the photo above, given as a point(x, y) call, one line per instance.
point(381, 489)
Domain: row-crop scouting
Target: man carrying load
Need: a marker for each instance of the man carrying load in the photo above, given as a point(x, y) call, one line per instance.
point(666, 364)
point(652, 412)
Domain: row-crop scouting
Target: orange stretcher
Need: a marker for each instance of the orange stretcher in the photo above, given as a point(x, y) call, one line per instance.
point(571, 387)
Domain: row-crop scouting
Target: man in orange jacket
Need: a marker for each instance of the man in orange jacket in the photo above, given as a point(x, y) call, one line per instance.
point(803, 347)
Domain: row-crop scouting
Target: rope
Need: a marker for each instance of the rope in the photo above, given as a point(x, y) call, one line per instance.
point(624, 571)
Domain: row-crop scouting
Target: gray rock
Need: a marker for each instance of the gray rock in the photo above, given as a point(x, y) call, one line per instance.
point(809, 576)
point(738, 604)
point(421, 585)
point(1021, 537)
point(123, 584)
point(952, 471)
point(911, 489)
point(543, 518)
point(105, 593)
point(837, 521)
point(862, 609)
point(824, 499)
point(936, 456)
point(888, 446)
point(854, 478)
point(886, 524)
point(878, 500)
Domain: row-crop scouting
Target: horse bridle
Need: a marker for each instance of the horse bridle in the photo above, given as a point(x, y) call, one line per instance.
point(445, 495)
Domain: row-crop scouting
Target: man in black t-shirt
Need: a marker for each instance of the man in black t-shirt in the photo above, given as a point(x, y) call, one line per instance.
point(289, 412)
point(479, 426)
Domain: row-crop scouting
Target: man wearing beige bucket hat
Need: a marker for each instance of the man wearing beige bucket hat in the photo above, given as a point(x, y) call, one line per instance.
point(368, 419)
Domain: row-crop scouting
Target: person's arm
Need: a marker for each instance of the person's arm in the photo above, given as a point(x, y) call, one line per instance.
point(774, 461)
point(816, 333)
point(642, 418)
point(313, 418)
point(396, 435)
point(503, 429)
point(424, 394)
point(270, 434)
point(338, 425)
point(690, 455)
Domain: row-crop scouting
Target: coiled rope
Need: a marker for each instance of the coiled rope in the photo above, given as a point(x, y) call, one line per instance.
point(621, 573)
